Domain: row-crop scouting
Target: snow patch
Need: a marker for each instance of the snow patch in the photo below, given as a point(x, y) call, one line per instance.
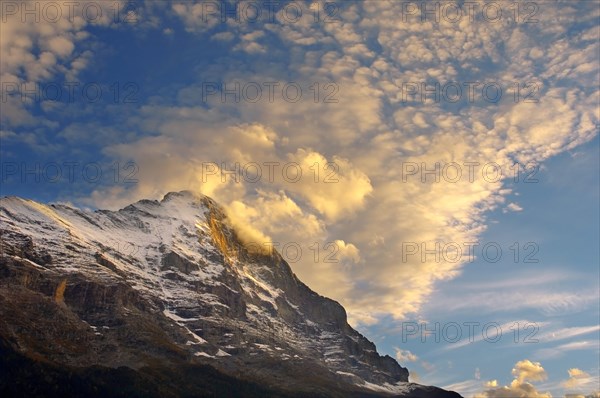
point(203, 354)
point(222, 353)
point(346, 373)
point(199, 339)
point(398, 388)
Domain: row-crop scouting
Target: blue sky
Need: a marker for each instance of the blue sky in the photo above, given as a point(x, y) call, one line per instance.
point(362, 138)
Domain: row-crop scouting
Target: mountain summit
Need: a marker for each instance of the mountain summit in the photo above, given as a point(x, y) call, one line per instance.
point(161, 299)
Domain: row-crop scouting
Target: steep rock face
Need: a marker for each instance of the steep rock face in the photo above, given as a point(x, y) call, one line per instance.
point(168, 284)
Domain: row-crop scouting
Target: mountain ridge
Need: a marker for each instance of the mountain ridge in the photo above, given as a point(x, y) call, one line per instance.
point(168, 284)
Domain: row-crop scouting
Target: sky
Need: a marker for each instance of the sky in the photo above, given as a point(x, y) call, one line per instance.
point(431, 166)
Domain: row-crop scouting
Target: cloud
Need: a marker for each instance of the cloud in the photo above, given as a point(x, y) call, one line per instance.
point(527, 370)
point(196, 16)
point(414, 377)
point(223, 36)
point(577, 377)
point(566, 333)
point(48, 45)
point(560, 350)
point(370, 133)
point(542, 300)
point(523, 290)
point(344, 188)
point(249, 43)
point(467, 388)
point(513, 207)
point(524, 371)
point(241, 217)
point(525, 390)
point(404, 356)
point(59, 45)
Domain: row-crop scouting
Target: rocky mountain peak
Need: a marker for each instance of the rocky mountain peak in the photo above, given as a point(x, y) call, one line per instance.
point(168, 285)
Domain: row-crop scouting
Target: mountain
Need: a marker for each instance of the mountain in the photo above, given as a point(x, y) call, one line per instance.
point(161, 299)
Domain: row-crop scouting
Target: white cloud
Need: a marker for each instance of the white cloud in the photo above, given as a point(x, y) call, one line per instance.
point(524, 371)
point(577, 378)
point(566, 333)
point(513, 207)
point(466, 388)
point(545, 301)
point(61, 46)
point(404, 356)
point(558, 351)
point(527, 370)
point(347, 251)
point(196, 16)
point(223, 36)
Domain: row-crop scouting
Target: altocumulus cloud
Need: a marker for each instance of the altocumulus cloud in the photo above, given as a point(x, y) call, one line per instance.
point(370, 133)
